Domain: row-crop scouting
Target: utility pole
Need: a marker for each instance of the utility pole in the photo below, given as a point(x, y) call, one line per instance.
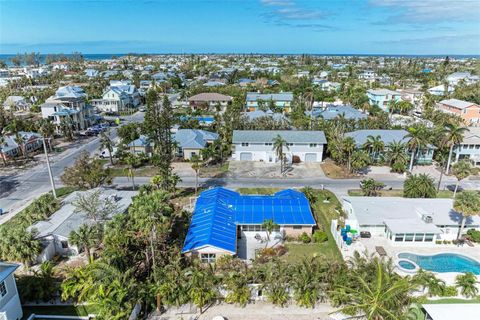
point(52, 183)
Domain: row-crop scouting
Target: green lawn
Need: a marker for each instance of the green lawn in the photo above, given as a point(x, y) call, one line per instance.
point(148, 171)
point(59, 310)
point(453, 301)
point(397, 193)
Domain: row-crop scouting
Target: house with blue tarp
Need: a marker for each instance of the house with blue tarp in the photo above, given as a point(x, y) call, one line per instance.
point(222, 217)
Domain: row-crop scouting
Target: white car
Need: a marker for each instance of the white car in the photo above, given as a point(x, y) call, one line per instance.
point(106, 153)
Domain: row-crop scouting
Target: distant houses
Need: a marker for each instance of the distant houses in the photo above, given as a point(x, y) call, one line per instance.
point(468, 111)
point(440, 90)
point(11, 147)
point(300, 146)
point(331, 112)
point(119, 96)
point(469, 148)
point(17, 104)
point(264, 101)
point(10, 306)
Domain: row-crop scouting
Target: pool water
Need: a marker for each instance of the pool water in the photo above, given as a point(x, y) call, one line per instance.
point(444, 262)
point(406, 265)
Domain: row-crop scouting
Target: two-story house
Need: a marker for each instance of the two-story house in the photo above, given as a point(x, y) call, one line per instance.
point(10, 307)
point(382, 98)
point(119, 96)
point(300, 146)
point(210, 101)
point(470, 147)
point(468, 111)
point(68, 101)
point(259, 101)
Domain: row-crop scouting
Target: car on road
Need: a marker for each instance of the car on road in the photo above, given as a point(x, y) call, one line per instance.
point(142, 109)
point(106, 153)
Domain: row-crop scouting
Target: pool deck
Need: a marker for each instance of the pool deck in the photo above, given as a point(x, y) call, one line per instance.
point(369, 245)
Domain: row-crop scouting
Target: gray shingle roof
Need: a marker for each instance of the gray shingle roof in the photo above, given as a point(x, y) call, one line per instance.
point(459, 104)
point(283, 96)
point(291, 136)
point(387, 136)
point(210, 96)
point(193, 138)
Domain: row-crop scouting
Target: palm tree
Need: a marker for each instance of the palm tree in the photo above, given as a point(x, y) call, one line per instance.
point(349, 147)
point(467, 203)
point(385, 297)
point(47, 130)
point(461, 170)
point(370, 187)
point(196, 164)
point(107, 143)
point(453, 136)
point(418, 139)
point(467, 283)
point(360, 159)
point(133, 161)
point(427, 280)
point(202, 286)
point(269, 225)
point(278, 144)
point(66, 127)
point(374, 145)
point(419, 186)
point(397, 156)
point(85, 238)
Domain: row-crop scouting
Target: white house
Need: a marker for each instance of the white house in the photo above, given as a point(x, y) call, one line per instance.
point(68, 101)
point(470, 147)
point(119, 96)
point(406, 221)
point(53, 233)
point(16, 103)
point(456, 77)
point(301, 146)
point(10, 307)
point(210, 101)
point(368, 75)
point(440, 90)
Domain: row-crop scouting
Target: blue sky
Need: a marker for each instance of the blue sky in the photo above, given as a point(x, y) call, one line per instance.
point(241, 26)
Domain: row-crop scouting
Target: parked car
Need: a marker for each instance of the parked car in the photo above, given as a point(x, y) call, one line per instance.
point(106, 153)
point(2, 212)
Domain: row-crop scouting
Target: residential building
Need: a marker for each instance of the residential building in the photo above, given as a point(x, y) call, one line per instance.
point(406, 221)
point(91, 73)
point(10, 307)
point(17, 103)
point(331, 112)
point(53, 233)
point(326, 85)
point(466, 77)
point(449, 311)
point(68, 101)
point(469, 149)
point(388, 136)
point(413, 96)
point(440, 90)
point(301, 146)
point(468, 111)
point(119, 96)
point(210, 101)
point(368, 75)
point(189, 142)
point(11, 148)
point(382, 98)
point(258, 101)
point(258, 114)
point(225, 222)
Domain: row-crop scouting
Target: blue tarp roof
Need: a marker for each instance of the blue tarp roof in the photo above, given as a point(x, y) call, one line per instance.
point(219, 210)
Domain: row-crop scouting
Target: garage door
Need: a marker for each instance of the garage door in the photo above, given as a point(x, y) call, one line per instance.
point(311, 157)
point(246, 156)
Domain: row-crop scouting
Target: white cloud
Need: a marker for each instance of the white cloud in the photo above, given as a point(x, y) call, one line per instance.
point(428, 11)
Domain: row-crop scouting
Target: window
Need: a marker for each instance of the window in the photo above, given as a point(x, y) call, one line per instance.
point(3, 289)
point(399, 237)
point(297, 227)
point(289, 144)
point(245, 144)
point(429, 237)
point(409, 237)
point(268, 143)
point(208, 257)
point(419, 237)
point(64, 244)
point(313, 145)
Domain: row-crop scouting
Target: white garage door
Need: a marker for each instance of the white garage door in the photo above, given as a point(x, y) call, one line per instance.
point(311, 157)
point(246, 156)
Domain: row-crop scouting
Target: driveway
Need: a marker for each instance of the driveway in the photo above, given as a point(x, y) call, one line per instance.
point(252, 169)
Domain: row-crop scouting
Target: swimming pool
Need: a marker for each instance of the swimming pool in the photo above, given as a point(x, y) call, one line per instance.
point(443, 262)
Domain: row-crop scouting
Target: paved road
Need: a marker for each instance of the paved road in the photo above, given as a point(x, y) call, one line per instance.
point(17, 191)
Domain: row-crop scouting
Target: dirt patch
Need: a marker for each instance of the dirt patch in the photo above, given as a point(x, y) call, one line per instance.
point(252, 169)
point(334, 171)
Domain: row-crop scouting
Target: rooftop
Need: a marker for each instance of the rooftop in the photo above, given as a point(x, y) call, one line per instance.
point(218, 211)
point(459, 104)
point(387, 136)
point(283, 96)
point(291, 136)
point(463, 311)
point(7, 269)
point(210, 96)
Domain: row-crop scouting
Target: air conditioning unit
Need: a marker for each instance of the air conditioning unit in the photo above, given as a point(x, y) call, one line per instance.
point(428, 219)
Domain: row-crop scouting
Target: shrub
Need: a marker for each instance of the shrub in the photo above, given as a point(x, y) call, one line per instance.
point(447, 242)
point(319, 236)
point(438, 242)
point(449, 291)
point(305, 238)
point(474, 235)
